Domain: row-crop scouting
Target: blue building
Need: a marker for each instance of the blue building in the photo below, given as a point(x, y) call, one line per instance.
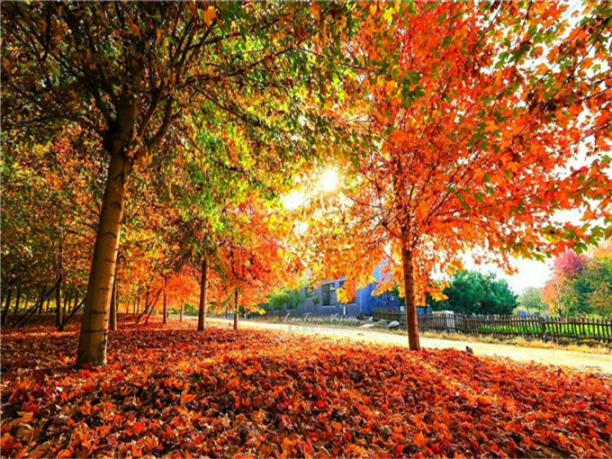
point(323, 301)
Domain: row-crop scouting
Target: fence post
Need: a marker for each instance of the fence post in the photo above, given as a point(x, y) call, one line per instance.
point(543, 328)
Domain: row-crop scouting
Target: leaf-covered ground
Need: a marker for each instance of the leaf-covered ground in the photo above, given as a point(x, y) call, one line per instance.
point(172, 391)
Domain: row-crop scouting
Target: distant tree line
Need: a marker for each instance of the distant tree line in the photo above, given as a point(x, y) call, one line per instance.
point(471, 292)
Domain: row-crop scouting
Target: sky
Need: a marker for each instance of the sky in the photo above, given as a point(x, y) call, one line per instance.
point(530, 273)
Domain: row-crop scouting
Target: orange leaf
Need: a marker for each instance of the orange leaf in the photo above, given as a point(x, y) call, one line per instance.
point(420, 440)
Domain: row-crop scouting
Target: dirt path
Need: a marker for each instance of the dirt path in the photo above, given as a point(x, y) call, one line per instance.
point(576, 360)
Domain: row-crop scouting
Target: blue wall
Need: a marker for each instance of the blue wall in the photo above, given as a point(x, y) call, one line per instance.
point(364, 303)
point(369, 302)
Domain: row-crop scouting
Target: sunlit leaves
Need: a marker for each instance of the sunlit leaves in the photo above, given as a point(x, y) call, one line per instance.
point(471, 126)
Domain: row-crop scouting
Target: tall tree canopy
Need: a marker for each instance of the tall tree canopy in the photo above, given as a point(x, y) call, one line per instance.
point(131, 74)
point(473, 123)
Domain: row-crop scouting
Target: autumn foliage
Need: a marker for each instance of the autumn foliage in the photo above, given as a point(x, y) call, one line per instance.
point(471, 125)
point(147, 147)
point(175, 391)
point(580, 284)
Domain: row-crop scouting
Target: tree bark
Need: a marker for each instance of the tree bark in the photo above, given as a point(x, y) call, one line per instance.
point(59, 319)
point(235, 309)
point(152, 308)
point(7, 304)
point(113, 312)
point(94, 325)
point(146, 307)
point(17, 298)
point(64, 311)
point(412, 324)
point(203, 294)
point(40, 301)
point(165, 307)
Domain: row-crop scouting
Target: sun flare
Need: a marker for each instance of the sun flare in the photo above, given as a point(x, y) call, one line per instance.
point(329, 180)
point(293, 200)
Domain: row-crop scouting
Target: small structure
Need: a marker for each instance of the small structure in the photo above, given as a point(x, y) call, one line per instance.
point(323, 301)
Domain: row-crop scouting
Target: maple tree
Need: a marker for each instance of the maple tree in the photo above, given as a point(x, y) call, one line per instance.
point(580, 283)
point(466, 123)
point(144, 150)
point(252, 261)
point(211, 192)
point(129, 74)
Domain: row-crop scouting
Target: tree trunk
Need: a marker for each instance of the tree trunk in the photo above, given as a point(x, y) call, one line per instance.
point(152, 308)
point(146, 306)
point(165, 310)
point(113, 312)
point(17, 298)
point(411, 316)
point(203, 294)
point(48, 304)
point(7, 304)
point(76, 300)
point(64, 311)
point(59, 318)
point(41, 301)
point(235, 309)
point(77, 305)
point(182, 311)
point(94, 325)
point(67, 298)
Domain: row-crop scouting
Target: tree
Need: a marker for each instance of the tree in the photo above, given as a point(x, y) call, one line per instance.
point(531, 300)
point(128, 74)
point(580, 284)
point(471, 292)
point(251, 259)
point(599, 277)
point(206, 190)
point(50, 192)
point(462, 117)
point(569, 264)
point(284, 299)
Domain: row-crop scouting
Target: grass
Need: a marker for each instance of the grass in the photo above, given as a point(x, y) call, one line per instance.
point(569, 345)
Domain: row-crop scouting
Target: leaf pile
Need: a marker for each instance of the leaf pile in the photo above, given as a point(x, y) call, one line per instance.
point(174, 391)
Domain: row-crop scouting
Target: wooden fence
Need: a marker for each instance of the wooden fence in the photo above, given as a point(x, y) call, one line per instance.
point(545, 328)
